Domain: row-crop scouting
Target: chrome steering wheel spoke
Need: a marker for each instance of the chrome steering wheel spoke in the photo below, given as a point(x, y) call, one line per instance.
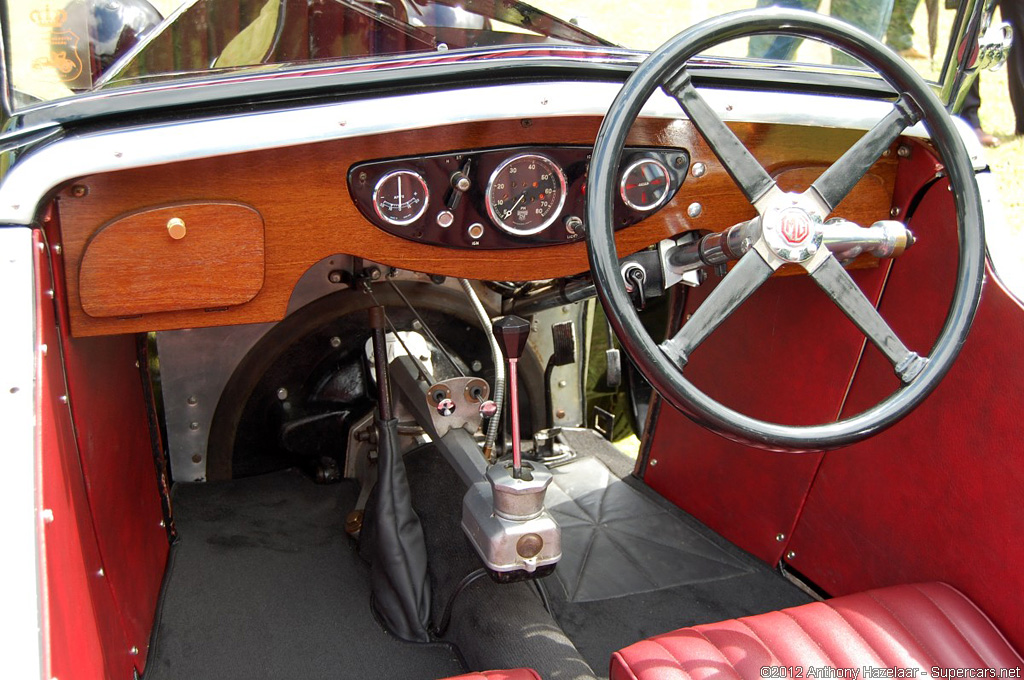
point(848, 296)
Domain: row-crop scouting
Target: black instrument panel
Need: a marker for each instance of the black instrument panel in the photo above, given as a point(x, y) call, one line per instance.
point(511, 197)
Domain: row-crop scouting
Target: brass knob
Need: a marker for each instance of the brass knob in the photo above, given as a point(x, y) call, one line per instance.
point(176, 228)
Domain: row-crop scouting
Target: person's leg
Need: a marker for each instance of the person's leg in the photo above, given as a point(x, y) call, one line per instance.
point(900, 34)
point(872, 16)
point(969, 112)
point(1013, 12)
point(779, 47)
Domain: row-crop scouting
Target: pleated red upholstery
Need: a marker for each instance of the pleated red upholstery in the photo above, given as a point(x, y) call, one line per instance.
point(919, 630)
point(512, 674)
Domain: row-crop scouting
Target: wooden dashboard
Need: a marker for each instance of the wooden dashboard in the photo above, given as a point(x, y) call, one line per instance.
point(253, 223)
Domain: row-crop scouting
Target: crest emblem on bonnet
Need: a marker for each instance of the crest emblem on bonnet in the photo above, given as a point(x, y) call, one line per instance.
point(794, 226)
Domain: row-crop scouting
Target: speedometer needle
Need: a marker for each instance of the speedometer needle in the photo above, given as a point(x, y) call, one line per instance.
point(399, 190)
point(514, 205)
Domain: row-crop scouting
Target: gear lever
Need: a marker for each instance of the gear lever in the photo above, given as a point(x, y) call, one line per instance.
point(511, 333)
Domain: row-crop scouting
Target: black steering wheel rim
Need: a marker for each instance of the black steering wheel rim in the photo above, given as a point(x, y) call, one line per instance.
point(663, 374)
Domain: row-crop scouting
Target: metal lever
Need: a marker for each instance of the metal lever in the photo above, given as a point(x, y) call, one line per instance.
point(511, 332)
point(635, 277)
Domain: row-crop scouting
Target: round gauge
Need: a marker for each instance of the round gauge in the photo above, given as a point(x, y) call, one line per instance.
point(400, 197)
point(525, 194)
point(645, 184)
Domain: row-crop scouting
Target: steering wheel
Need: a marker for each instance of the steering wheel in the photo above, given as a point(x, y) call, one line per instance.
point(791, 230)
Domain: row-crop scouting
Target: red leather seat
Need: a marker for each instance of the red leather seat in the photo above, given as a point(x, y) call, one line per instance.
point(902, 627)
point(513, 674)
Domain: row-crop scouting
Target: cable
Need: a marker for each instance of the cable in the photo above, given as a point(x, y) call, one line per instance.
point(446, 618)
point(499, 367)
point(426, 328)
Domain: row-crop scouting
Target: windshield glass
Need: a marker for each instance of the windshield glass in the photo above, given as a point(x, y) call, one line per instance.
point(59, 48)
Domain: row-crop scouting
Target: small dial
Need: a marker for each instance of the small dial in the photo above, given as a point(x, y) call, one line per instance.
point(400, 197)
point(525, 194)
point(645, 184)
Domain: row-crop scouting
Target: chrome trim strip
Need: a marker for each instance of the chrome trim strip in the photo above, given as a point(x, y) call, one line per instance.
point(36, 175)
point(20, 519)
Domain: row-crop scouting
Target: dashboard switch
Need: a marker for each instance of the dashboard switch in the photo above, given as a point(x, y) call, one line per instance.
point(475, 231)
point(445, 218)
point(573, 226)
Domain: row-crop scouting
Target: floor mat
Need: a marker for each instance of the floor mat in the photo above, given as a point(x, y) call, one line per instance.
point(264, 583)
point(634, 565)
point(617, 542)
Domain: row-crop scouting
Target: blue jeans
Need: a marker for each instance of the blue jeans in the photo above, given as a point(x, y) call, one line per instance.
point(872, 16)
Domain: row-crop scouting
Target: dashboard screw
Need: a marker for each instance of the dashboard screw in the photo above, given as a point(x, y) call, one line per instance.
point(335, 342)
point(526, 122)
point(282, 393)
point(79, 190)
point(695, 210)
point(903, 151)
point(895, 212)
point(699, 169)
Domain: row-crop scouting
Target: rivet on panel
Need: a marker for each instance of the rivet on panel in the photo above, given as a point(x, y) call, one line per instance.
point(57, 249)
point(790, 555)
point(196, 458)
point(695, 210)
point(193, 426)
point(560, 413)
point(63, 398)
point(654, 461)
point(780, 537)
point(47, 515)
point(282, 393)
point(698, 169)
point(101, 573)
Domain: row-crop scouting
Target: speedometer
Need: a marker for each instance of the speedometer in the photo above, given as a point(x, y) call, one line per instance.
point(525, 194)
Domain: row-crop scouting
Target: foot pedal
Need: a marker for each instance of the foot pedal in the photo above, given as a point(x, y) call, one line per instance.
point(604, 422)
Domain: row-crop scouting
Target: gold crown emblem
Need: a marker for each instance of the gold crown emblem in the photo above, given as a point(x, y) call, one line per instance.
point(48, 18)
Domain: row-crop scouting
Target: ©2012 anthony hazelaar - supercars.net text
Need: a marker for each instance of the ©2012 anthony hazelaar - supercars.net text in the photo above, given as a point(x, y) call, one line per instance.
point(873, 672)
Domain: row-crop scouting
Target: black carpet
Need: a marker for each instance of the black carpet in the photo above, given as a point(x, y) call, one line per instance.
point(264, 583)
point(634, 565)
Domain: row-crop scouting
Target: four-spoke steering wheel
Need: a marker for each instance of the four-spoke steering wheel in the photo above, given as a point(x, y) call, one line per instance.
point(791, 229)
